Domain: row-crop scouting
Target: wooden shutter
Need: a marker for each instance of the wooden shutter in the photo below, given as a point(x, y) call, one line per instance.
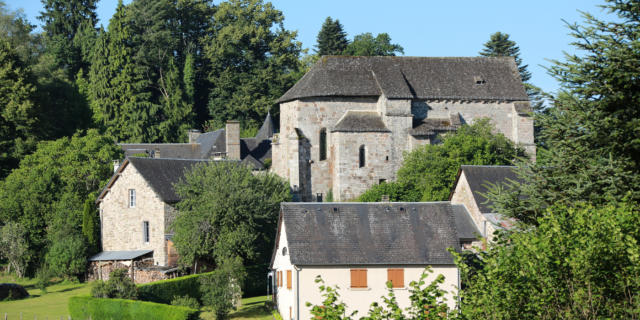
point(396, 276)
point(288, 279)
point(358, 278)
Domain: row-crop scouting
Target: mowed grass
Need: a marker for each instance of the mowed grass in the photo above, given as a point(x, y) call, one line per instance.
point(51, 305)
point(252, 308)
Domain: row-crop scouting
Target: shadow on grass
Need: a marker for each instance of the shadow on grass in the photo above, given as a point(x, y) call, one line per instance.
point(251, 310)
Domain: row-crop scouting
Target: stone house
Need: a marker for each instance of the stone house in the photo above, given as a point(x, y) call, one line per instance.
point(470, 189)
point(361, 246)
point(345, 125)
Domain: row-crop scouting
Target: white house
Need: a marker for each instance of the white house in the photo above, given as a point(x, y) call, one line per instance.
point(361, 246)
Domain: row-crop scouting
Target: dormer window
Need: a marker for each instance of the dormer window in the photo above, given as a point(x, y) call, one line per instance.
point(479, 80)
point(132, 198)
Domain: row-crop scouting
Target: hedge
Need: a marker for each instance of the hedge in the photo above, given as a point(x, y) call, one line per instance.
point(86, 307)
point(163, 291)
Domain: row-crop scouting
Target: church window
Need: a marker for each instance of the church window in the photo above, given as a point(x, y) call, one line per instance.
point(145, 231)
point(132, 198)
point(362, 158)
point(323, 144)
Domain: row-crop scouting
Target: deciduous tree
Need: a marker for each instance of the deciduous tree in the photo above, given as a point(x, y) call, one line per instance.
point(367, 45)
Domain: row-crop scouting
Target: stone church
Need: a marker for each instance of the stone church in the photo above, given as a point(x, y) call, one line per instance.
point(345, 125)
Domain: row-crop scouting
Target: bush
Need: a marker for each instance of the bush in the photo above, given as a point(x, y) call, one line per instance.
point(186, 301)
point(164, 291)
point(85, 307)
point(119, 285)
point(221, 288)
point(256, 282)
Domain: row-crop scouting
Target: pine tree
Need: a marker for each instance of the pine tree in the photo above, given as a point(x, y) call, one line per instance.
point(499, 45)
point(66, 27)
point(332, 39)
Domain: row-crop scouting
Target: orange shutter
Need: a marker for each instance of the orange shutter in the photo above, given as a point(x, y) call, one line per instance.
point(358, 278)
point(396, 276)
point(280, 279)
point(288, 279)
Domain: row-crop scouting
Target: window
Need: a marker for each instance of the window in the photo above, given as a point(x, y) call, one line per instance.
point(323, 144)
point(396, 276)
point(132, 198)
point(145, 231)
point(358, 278)
point(289, 279)
point(381, 181)
point(362, 156)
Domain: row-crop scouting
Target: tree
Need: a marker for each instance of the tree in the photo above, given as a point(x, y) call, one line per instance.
point(221, 288)
point(499, 45)
point(332, 39)
point(253, 61)
point(234, 212)
point(15, 28)
point(366, 45)
point(580, 262)
point(14, 248)
point(66, 23)
point(17, 110)
point(67, 254)
point(91, 226)
point(47, 191)
point(119, 286)
point(428, 172)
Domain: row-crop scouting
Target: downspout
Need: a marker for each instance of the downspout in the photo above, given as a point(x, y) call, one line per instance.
point(297, 292)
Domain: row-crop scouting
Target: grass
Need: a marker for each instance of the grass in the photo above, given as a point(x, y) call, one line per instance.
point(252, 308)
point(51, 305)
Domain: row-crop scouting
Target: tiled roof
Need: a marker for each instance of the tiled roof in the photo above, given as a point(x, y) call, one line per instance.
point(460, 78)
point(360, 121)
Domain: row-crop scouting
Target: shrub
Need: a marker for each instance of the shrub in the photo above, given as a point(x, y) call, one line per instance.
point(186, 301)
point(85, 307)
point(221, 288)
point(164, 291)
point(119, 285)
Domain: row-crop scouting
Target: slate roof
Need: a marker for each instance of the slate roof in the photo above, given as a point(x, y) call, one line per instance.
point(267, 130)
point(431, 126)
point(360, 121)
point(411, 78)
point(166, 150)
point(466, 228)
point(370, 233)
point(119, 255)
point(481, 178)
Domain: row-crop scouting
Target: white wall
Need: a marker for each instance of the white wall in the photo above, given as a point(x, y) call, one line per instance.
point(284, 297)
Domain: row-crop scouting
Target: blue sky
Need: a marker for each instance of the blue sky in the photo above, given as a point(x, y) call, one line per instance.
point(427, 27)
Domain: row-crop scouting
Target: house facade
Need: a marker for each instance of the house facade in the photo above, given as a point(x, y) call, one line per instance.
point(359, 247)
point(345, 125)
point(472, 185)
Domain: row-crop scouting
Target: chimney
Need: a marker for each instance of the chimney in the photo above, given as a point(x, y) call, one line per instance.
point(232, 132)
point(156, 153)
point(193, 135)
point(116, 165)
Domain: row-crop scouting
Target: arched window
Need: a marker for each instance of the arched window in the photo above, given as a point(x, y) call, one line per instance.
point(362, 157)
point(323, 144)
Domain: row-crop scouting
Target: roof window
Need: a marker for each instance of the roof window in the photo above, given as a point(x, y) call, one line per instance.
point(479, 80)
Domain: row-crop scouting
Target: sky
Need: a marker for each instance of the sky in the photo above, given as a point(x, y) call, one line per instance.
point(427, 27)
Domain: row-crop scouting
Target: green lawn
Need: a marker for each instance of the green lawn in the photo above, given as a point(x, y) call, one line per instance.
point(252, 308)
point(51, 305)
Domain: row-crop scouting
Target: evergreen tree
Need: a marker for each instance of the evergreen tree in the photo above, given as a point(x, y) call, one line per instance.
point(499, 45)
point(66, 24)
point(91, 226)
point(366, 45)
point(253, 61)
point(332, 39)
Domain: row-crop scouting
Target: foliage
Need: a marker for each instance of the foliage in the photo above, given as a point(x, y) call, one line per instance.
point(221, 288)
point(255, 282)
point(83, 307)
point(14, 247)
point(118, 286)
point(164, 291)
point(17, 30)
point(91, 226)
point(332, 308)
point(67, 255)
point(227, 211)
point(43, 278)
point(366, 45)
point(186, 301)
point(332, 39)
point(499, 45)
point(47, 192)
point(428, 172)
point(580, 262)
point(253, 61)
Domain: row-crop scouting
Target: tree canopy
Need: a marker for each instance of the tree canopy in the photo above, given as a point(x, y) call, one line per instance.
point(332, 39)
point(367, 45)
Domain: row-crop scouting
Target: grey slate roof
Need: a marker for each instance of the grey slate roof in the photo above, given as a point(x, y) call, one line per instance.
point(360, 121)
point(431, 126)
point(167, 150)
point(480, 178)
point(161, 174)
point(370, 233)
point(467, 230)
point(119, 255)
point(267, 129)
point(411, 78)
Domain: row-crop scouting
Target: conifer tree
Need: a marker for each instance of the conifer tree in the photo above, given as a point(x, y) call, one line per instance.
point(332, 39)
point(499, 45)
point(90, 226)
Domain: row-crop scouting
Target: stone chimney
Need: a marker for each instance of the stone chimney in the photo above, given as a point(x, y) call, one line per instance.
point(193, 135)
point(232, 132)
point(116, 165)
point(156, 153)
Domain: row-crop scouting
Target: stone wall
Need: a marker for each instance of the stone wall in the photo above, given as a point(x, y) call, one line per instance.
point(122, 226)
